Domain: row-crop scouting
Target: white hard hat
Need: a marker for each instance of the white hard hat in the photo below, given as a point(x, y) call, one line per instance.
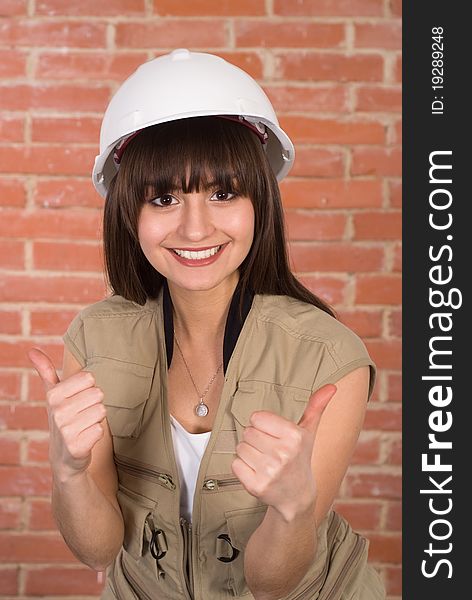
point(186, 84)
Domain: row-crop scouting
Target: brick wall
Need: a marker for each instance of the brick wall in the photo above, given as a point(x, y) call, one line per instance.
point(333, 72)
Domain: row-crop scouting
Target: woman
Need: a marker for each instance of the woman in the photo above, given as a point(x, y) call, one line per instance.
point(207, 468)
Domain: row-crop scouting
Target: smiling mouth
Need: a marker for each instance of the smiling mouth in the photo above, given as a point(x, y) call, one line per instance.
point(198, 255)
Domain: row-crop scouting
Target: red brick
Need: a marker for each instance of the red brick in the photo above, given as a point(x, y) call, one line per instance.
point(23, 481)
point(397, 138)
point(378, 289)
point(393, 520)
point(374, 485)
point(22, 416)
point(386, 354)
point(325, 66)
point(310, 225)
point(40, 32)
point(50, 322)
point(62, 581)
point(290, 35)
point(388, 418)
point(9, 451)
point(38, 451)
point(395, 452)
point(396, 8)
point(385, 547)
point(309, 193)
point(382, 162)
point(9, 576)
point(68, 97)
point(12, 192)
point(51, 223)
point(366, 323)
point(329, 289)
point(65, 129)
point(13, 63)
point(11, 129)
point(47, 160)
point(367, 450)
point(250, 62)
point(395, 323)
point(10, 515)
point(379, 35)
point(31, 547)
point(335, 257)
point(393, 577)
point(328, 8)
point(397, 258)
point(10, 320)
point(91, 66)
point(90, 7)
point(394, 387)
point(377, 225)
point(315, 162)
point(40, 516)
point(12, 254)
point(9, 385)
point(17, 288)
point(68, 192)
point(398, 69)
point(67, 256)
point(330, 131)
point(322, 98)
point(14, 8)
point(379, 99)
point(204, 8)
point(173, 32)
point(395, 194)
point(363, 516)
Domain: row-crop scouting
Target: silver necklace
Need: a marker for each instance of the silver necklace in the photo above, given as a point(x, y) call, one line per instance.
point(201, 409)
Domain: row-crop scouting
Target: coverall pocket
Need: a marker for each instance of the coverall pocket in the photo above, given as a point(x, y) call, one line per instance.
point(241, 525)
point(252, 396)
point(127, 387)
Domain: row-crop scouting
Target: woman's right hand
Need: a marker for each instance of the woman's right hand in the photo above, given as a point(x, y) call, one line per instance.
point(75, 411)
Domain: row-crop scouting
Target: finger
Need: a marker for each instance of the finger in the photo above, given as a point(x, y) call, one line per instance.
point(270, 423)
point(315, 407)
point(87, 418)
point(44, 367)
point(250, 455)
point(83, 444)
point(69, 408)
point(259, 439)
point(247, 476)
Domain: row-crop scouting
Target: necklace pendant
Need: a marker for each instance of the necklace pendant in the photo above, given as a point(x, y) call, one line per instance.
point(201, 410)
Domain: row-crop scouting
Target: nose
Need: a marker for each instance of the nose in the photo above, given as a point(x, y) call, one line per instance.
point(196, 222)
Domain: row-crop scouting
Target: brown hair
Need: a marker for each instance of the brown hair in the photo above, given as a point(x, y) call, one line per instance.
point(182, 155)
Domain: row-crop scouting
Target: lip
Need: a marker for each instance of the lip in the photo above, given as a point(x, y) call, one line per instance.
point(189, 262)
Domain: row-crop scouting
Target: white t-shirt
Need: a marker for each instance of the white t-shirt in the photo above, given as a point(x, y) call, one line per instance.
point(188, 449)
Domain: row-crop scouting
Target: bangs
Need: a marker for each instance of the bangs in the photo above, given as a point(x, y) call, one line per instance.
point(193, 155)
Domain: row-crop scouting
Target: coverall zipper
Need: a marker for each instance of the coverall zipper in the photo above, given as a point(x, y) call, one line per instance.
point(133, 468)
point(186, 528)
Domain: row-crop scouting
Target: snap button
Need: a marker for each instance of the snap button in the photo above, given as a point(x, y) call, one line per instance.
point(222, 547)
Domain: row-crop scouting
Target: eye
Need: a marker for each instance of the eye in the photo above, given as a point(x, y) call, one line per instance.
point(162, 201)
point(224, 196)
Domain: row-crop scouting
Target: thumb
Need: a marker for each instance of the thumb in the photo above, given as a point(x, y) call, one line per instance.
point(44, 366)
point(315, 407)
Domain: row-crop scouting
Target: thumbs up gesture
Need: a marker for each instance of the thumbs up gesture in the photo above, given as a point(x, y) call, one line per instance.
point(274, 459)
point(75, 410)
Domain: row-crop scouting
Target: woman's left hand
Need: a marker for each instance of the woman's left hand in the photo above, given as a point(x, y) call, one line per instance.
point(274, 459)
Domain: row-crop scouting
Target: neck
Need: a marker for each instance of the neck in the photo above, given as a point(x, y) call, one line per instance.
point(200, 315)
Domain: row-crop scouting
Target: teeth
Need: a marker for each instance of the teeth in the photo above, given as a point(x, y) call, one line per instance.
point(197, 255)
